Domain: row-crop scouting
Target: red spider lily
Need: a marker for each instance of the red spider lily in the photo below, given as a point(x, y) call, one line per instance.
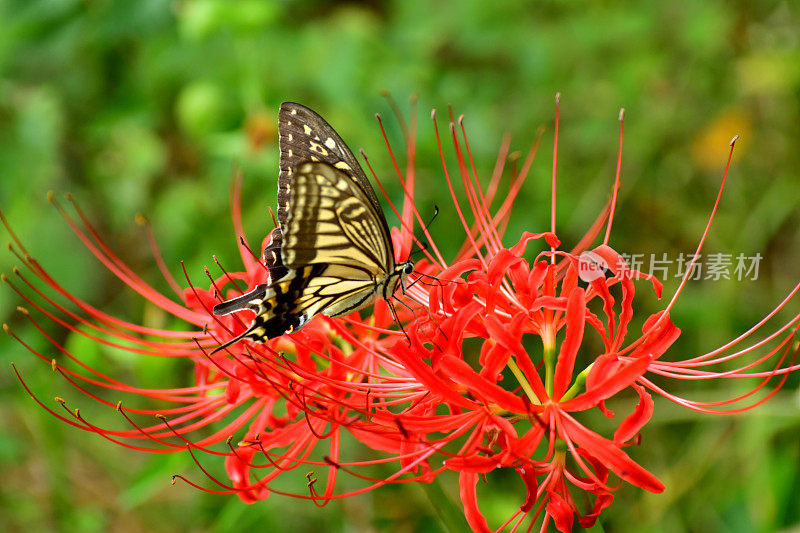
point(494, 294)
point(291, 396)
point(513, 404)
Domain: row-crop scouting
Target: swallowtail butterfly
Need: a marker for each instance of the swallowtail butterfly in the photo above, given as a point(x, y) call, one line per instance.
point(331, 253)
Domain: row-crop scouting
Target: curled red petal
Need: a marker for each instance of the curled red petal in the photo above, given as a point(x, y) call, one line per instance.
point(600, 502)
point(659, 338)
point(561, 511)
point(469, 499)
point(641, 414)
point(519, 248)
point(528, 476)
point(626, 371)
point(462, 373)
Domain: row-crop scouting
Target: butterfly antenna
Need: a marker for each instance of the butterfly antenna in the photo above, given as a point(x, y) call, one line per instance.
point(433, 217)
point(425, 245)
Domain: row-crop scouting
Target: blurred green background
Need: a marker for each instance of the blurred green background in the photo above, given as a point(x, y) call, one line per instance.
point(145, 106)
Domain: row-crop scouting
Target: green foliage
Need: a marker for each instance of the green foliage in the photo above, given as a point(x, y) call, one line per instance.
point(145, 106)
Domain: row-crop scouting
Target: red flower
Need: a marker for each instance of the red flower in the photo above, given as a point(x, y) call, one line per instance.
point(494, 367)
point(290, 397)
point(499, 297)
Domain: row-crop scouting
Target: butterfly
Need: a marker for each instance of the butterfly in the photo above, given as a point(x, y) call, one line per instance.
point(331, 252)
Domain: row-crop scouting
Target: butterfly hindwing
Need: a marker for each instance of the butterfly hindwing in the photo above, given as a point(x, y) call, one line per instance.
point(288, 304)
point(276, 306)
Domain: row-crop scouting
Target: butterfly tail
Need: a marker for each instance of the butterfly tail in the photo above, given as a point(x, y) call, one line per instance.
point(251, 301)
point(274, 306)
point(263, 329)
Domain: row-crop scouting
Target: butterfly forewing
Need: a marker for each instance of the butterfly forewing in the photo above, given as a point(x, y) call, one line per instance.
point(305, 136)
point(331, 221)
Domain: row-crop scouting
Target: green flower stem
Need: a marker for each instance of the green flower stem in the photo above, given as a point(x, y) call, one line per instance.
point(523, 381)
point(579, 385)
point(549, 367)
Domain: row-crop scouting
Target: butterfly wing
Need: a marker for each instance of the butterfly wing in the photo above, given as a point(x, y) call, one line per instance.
point(337, 251)
point(332, 221)
point(305, 136)
point(331, 224)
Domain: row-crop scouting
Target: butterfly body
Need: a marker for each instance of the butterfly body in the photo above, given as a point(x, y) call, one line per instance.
point(331, 253)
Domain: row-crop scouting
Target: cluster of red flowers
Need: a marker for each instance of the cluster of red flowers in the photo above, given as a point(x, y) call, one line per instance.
point(487, 368)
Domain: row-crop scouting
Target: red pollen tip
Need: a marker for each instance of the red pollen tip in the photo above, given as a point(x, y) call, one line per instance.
point(735, 138)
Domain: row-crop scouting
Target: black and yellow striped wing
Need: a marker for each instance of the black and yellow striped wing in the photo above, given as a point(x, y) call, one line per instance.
point(336, 249)
point(304, 136)
point(332, 221)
